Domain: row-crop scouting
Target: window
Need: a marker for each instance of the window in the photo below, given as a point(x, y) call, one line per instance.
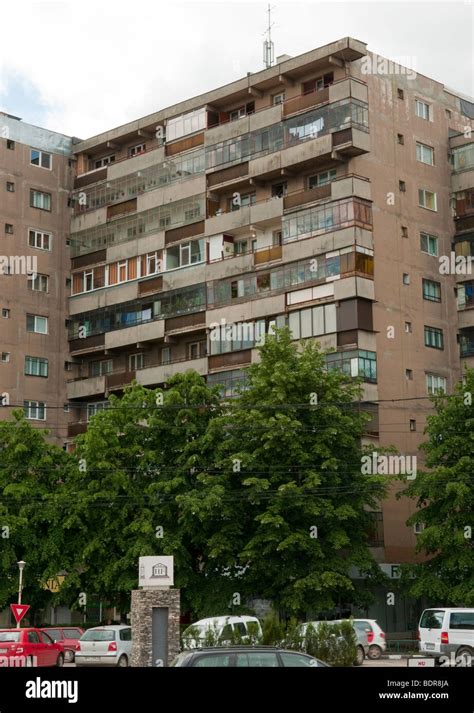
point(321, 179)
point(36, 324)
point(434, 338)
point(5, 313)
point(408, 329)
point(39, 283)
point(402, 186)
point(92, 410)
point(422, 109)
point(197, 350)
point(10, 145)
point(5, 357)
point(136, 361)
point(245, 201)
point(214, 661)
point(314, 85)
point(122, 271)
point(186, 124)
point(40, 200)
point(409, 374)
point(35, 410)
point(406, 278)
point(264, 659)
point(237, 113)
point(431, 291)
point(9, 228)
point(278, 98)
point(166, 355)
point(33, 637)
point(101, 368)
point(105, 161)
point(279, 190)
point(425, 154)
point(462, 620)
point(448, 113)
point(435, 384)
point(40, 158)
point(400, 93)
point(241, 247)
point(136, 150)
point(418, 528)
point(432, 619)
point(36, 366)
point(125, 634)
point(412, 424)
point(10, 187)
point(404, 231)
point(40, 240)
point(429, 244)
point(293, 660)
point(400, 139)
point(427, 199)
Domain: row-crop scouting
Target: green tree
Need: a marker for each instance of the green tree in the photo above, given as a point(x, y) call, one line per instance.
point(445, 498)
point(31, 482)
point(294, 501)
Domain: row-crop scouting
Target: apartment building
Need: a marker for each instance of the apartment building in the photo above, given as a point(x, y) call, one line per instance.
point(320, 194)
point(36, 177)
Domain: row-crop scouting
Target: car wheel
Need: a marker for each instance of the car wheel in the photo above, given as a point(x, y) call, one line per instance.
point(360, 656)
point(375, 652)
point(464, 656)
point(60, 661)
point(69, 656)
point(123, 661)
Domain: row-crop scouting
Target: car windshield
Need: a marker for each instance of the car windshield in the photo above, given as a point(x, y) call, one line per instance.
point(9, 636)
point(98, 635)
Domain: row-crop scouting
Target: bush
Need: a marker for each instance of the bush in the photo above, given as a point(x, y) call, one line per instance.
point(333, 643)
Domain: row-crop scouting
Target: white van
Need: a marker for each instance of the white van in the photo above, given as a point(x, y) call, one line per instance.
point(447, 632)
point(223, 628)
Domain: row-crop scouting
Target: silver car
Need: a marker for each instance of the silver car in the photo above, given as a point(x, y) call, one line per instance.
point(105, 646)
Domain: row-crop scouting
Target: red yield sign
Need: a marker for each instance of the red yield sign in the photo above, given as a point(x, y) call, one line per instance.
point(19, 611)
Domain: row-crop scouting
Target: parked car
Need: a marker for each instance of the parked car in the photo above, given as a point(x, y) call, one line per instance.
point(447, 632)
point(362, 643)
point(67, 637)
point(224, 629)
point(105, 646)
point(246, 657)
point(375, 636)
point(29, 647)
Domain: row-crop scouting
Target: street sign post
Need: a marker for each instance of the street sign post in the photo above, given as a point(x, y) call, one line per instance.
point(19, 611)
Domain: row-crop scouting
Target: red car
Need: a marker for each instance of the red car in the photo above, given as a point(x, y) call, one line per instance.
point(28, 647)
point(67, 637)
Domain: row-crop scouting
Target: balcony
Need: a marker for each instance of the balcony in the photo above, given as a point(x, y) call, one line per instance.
point(265, 255)
point(343, 187)
point(82, 387)
point(303, 102)
point(75, 428)
point(259, 213)
point(159, 374)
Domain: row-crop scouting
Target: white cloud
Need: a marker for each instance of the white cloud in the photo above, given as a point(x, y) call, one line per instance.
point(96, 65)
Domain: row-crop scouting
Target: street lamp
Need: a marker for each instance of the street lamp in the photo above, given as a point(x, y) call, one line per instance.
point(21, 566)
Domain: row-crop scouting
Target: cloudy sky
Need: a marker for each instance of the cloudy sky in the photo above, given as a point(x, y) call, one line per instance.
point(83, 66)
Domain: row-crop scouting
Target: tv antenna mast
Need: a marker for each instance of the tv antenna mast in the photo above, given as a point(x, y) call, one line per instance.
point(268, 49)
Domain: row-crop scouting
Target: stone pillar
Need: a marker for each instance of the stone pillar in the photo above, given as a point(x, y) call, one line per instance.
point(143, 603)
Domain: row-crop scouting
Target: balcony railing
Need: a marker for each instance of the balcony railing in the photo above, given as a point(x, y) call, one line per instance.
point(267, 254)
point(148, 179)
point(329, 118)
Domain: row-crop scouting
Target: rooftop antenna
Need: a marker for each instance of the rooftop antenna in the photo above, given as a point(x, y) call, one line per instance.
point(268, 50)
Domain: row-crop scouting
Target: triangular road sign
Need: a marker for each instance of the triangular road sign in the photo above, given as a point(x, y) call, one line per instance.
point(19, 611)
